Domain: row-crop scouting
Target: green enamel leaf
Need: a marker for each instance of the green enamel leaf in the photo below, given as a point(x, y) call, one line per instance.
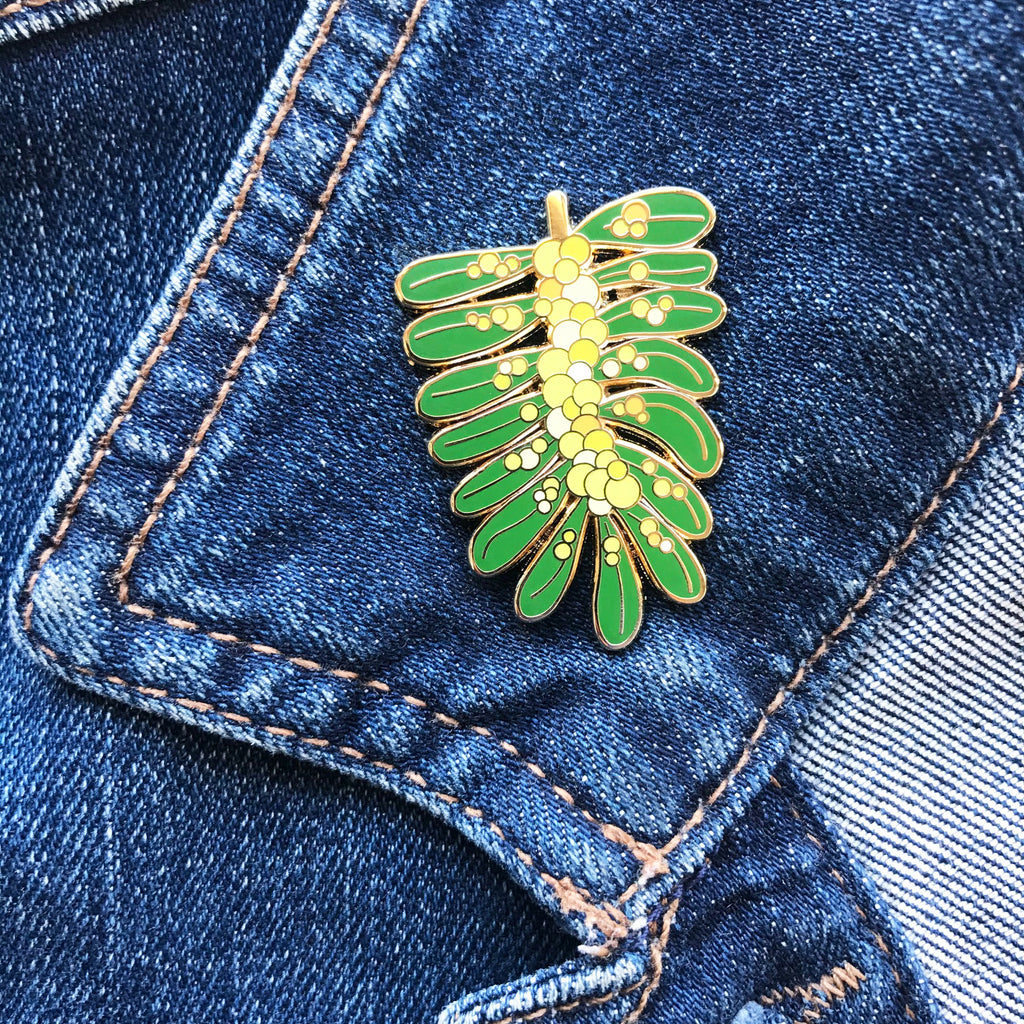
point(513, 528)
point(666, 557)
point(460, 276)
point(661, 361)
point(494, 482)
point(483, 435)
point(545, 581)
point(469, 389)
point(618, 602)
point(689, 268)
point(674, 423)
point(453, 334)
point(662, 218)
point(668, 492)
point(681, 311)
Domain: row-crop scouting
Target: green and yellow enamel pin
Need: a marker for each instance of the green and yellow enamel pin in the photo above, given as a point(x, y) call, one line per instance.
point(566, 380)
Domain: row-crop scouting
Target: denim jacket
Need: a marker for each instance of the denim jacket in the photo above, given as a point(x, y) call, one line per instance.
point(248, 542)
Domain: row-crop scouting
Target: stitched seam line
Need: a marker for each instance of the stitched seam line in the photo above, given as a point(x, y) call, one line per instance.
point(571, 897)
point(827, 641)
point(22, 5)
point(645, 853)
point(654, 865)
point(830, 989)
point(576, 1004)
point(840, 879)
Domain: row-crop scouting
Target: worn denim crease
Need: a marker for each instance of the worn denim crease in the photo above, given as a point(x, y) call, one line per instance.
point(610, 920)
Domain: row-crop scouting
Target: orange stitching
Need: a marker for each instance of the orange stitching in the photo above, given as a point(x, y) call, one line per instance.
point(184, 303)
point(645, 853)
point(654, 861)
point(22, 5)
point(657, 963)
point(608, 919)
point(574, 1005)
point(851, 614)
point(861, 913)
point(820, 995)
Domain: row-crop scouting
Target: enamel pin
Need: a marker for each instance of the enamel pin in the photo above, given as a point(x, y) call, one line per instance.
point(564, 378)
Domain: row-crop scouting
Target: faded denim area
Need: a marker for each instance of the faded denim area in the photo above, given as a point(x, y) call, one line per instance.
point(305, 585)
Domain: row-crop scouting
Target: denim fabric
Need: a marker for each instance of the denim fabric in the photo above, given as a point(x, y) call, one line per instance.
point(150, 873)
point(249, 536)
point(917, 753)
point(22, 19)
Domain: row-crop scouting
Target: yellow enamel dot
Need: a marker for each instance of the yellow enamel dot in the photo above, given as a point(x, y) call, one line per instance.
point(540, 445)
point(576, 480)
point(612, 558)
point(619, 408)
point(584, 351)
point(585, 424)
point(552, 361)
point(473, 271)
point(654, 539)
point(551, 493)
point(639, 308)
point(662, 487)
point(637, 229)
point(471, 318)
point(561, 309)
point(596, 482)
point(611, 544)
point(549, 289)
point(627, 353)
point(619, 227)
point(636, 210)
point(624, 493)
point(582, 311)
point(570, 409)
point(649, 466)
point(570, 444)
point(569, 535)
point(514, 318)
point(575, 247)
point(604, 458)
point(529, 412)
point(589, 409)
point(501, 271)
point(557, 389)
point(598, 440)
point(488, 262)
point(519, 366)
point(502, 381)
point(617, 469)
point(642, 417)
point(634, 405)
point(484, 323)
point(566, 271)
point(678, 491)
point(648, 526)
point(587, 391)
point(513, 262)
point(513, 461)
point(542, 307)
point(666, 303)
point(545, 256)
point(639, 271)
point(563, 551)
point(594, 330)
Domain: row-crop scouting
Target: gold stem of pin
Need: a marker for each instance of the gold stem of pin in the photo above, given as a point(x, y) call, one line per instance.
point(558, 214)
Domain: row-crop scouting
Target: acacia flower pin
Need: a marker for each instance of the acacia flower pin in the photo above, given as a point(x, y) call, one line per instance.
point(566, 382)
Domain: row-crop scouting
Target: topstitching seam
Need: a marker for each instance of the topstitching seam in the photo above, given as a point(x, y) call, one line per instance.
point(645, 853)
point(652, 859)
point(22, 5)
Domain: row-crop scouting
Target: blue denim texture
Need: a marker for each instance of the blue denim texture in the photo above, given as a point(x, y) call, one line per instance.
point(305, 586)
